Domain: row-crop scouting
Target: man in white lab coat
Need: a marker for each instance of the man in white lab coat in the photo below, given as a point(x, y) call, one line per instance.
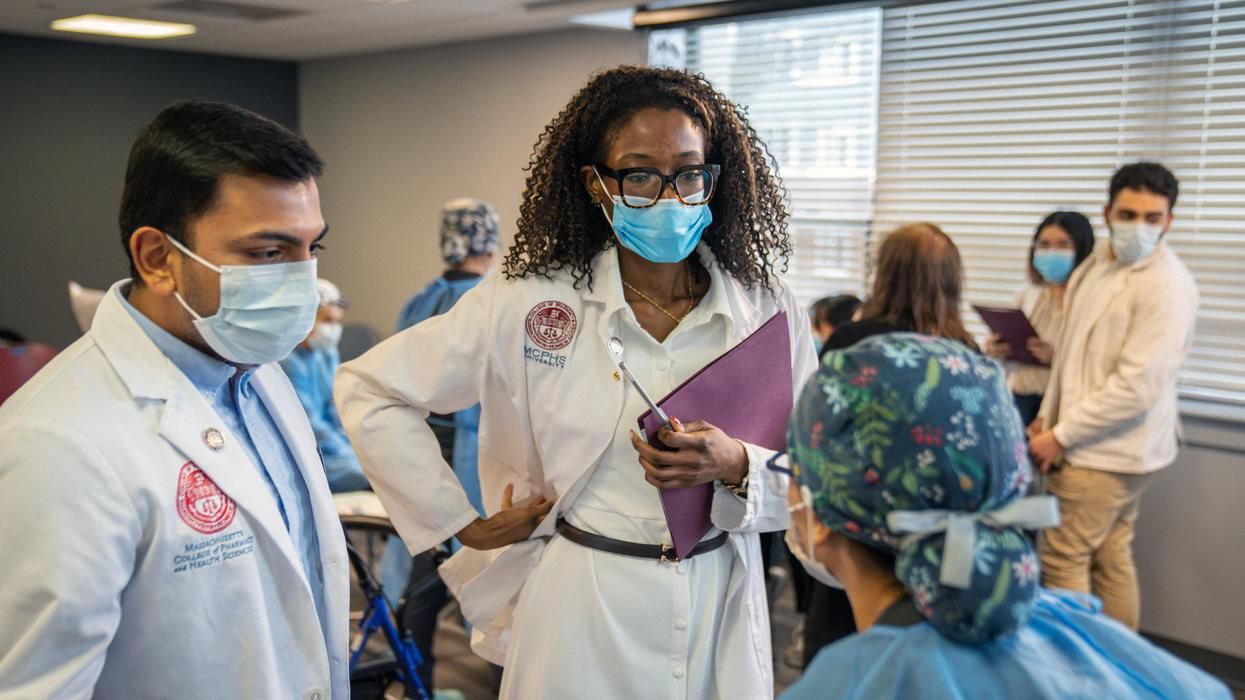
point(168, 528)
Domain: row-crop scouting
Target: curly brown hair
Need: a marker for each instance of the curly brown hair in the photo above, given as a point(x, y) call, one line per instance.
point(561, 228)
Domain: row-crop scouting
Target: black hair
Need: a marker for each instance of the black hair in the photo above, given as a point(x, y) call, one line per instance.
point(1078, 229)
point(178, 159)
point(1147, 177)
point(835, 310)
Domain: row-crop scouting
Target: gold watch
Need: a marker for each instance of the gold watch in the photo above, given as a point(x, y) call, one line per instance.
point(740, 489)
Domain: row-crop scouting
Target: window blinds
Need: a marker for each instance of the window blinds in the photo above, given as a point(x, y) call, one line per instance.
point(993, 114)
point(810, 85)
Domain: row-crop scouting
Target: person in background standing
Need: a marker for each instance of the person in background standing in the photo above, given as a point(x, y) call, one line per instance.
point(1111, 417)
point(829, 313)
point(1060, 244)
point(916, 288)
point(311, 368)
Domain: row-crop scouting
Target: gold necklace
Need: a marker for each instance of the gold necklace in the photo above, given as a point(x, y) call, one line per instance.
point(690, 300)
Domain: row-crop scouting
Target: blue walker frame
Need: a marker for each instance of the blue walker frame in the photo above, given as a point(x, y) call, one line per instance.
point(377, 615)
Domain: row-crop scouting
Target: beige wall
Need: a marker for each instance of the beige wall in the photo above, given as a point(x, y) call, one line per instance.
point(404, 131)
point(1190, 560)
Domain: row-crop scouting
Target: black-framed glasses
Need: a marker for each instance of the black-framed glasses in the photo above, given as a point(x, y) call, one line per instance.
point(642, 187)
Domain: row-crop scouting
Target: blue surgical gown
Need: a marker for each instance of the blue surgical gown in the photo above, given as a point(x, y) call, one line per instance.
point(311, 372)
point(1068, 649)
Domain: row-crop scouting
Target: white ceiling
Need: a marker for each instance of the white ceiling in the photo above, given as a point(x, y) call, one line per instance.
point(322, 28)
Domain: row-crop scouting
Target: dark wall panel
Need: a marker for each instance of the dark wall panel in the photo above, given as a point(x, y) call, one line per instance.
point(68, 112)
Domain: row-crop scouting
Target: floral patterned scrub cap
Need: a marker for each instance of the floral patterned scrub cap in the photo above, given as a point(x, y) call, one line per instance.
point(468, 227)
point(912, 445)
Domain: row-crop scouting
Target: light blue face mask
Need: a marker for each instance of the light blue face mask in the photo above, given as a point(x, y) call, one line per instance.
point(1133, 240)
point(265, 310)
point(1055, 266)
point(666, 232)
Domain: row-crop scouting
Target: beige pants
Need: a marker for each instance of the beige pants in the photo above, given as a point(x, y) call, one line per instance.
point(1092, 549)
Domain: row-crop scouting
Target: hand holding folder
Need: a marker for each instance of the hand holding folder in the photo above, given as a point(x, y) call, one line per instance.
point(1014, 328)
point(747, 393)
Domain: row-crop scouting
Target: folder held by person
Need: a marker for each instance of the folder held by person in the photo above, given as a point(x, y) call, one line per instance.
point(747, 393)
point(1014, 328)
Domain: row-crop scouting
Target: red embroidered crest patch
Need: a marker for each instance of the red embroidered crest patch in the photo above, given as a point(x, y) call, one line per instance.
point(551, 325)
point(200, 502)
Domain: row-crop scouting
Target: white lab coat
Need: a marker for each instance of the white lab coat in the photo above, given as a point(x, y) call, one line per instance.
point(549, 410)
point(106, 590)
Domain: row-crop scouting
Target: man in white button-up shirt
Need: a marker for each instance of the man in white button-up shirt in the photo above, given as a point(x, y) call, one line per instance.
point(1110, 417)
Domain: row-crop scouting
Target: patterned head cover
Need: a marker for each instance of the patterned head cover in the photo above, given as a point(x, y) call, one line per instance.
point(902, 429)
point(468, 227)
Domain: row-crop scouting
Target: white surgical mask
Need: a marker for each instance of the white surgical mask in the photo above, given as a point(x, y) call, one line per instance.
point(1134, 240)
point(803, 551)
point(325, 336)
point(265, 310)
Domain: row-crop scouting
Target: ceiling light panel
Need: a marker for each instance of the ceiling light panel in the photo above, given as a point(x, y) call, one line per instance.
point(128, 27)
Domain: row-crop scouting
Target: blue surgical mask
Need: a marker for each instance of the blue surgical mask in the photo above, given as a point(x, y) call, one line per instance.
point(265, 310)
point(1133, 241)
point(666, 232)
point(1055, 266)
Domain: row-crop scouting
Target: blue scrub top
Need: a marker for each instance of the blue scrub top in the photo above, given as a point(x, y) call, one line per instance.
point(1068, 649)
point(311, 372)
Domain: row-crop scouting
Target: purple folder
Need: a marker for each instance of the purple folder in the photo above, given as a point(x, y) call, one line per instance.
point(746, 393)
point(1015, 329)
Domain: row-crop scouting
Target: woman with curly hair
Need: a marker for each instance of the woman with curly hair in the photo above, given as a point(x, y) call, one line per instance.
point(652, 215)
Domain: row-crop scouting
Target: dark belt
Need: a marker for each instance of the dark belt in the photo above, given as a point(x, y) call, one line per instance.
point(661, 552)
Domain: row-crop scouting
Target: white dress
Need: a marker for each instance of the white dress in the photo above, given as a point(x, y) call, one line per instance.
point(599, 625)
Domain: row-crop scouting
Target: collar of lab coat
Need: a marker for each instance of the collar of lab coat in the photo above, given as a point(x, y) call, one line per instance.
point(207, 373)
point(726, 296)
point(186, 415)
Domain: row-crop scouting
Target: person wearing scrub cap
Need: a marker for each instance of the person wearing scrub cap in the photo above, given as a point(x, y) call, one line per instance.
point(311, 368)
point(908, 469)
